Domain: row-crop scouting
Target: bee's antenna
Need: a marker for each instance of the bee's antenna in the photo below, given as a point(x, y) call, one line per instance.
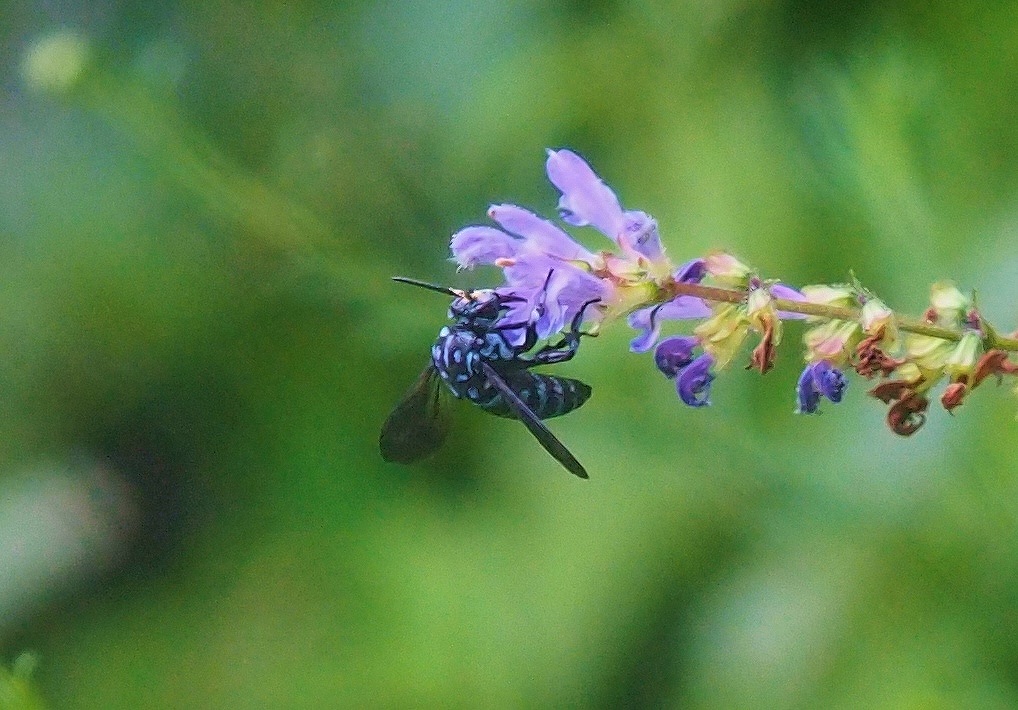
point(431, 287)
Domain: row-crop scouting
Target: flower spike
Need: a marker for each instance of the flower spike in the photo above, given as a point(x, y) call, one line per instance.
point(550, 279)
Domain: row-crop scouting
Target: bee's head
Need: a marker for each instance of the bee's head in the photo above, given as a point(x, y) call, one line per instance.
point(481, 305)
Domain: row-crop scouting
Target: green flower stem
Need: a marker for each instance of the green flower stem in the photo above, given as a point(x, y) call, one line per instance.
point(909, 325)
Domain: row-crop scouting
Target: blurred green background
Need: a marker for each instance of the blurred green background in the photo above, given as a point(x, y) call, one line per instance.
point(200, 206)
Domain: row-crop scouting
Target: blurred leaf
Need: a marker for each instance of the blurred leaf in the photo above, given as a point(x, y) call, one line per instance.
point(17, 691)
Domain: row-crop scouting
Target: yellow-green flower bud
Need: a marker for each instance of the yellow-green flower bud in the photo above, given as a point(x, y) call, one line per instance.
point(723, 333)
point(726, 269)
point(927, 352)
point(833, 341)
point(963, 358)
point(876, 316)
point(948, 303)
point(843, 296)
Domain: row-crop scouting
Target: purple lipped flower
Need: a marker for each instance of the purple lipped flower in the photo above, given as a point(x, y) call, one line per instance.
point(818, 379)
point(552, 290)
point(693, 382)
point(649, 319)
point(542, 236)
point(674, 354)
point(542, 266)
point(586, 200)
point(477, 245)
point(553, 274)
point(640, 233)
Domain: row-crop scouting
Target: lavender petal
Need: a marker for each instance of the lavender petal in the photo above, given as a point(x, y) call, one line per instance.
point(585, 200)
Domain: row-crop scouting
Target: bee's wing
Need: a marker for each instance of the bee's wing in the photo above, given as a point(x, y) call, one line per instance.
point(542, 433)
point(418, 425)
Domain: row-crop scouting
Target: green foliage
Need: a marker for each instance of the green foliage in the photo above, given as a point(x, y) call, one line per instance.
point(17, 691)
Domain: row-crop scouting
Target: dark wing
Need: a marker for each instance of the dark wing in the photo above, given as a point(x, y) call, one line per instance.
point(418, 425)
point(542, 433)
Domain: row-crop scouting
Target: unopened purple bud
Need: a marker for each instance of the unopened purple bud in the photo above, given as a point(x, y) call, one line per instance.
point(691, 272)
point(830, 381)
point(693, 383)
point(673, 354)
point(819, 379)
point(806, 391)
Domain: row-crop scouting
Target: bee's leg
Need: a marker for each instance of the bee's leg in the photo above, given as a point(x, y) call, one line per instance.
point(529, 329)
point(566, 348)
point(529, 326)
point(538, 307)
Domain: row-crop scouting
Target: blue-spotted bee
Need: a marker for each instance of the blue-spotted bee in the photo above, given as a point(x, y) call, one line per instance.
point(474, 358)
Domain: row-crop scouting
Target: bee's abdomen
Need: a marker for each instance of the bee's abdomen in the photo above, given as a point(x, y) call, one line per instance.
point(459, 355)
point(546, 395)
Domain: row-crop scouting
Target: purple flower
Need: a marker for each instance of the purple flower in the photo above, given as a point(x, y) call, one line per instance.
point(693, 382)
point(555, 275)
point(692, 375)
point(543, 236)
point(674, 354)
point(649, 319)
point(483, 245)
point(542, 266)
point(819, 379)
point(552, 290)
point(585, 199)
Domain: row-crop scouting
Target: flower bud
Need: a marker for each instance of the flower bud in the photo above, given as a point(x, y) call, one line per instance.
point(876, 316)
point(673, 354)
point(834, 341)
point(728, 270)
point(948, 303)
point(963, 358)
point(841, 295)
point(723, 333)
